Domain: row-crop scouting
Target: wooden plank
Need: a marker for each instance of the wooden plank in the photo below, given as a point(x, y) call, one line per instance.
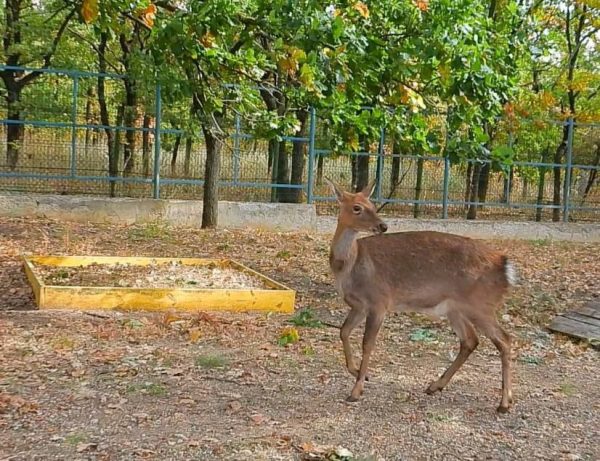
point(73, 261)
point(36, 285)
point(590, 310)
point(152, 299)
point(582, 318)
point(575, 328)
point(268, 281)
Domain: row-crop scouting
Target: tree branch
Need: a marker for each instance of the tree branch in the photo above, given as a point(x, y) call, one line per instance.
point(25, 80)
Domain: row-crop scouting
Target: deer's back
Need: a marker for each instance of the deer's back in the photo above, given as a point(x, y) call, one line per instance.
point(422, 269)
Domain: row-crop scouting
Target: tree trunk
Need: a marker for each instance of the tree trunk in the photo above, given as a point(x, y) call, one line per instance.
point(130, 115)
point(273, 165)
point(362, 172)
point(484, 180)
point(174, 155)
point(507, 186)
point(474, 196)
point(395, 173)
point(115, 150)
point(212, 173)
point(593, 174)
point(298, 154)
point(541, 187)
point(283, 172)
point(354, 169)
point(468, 182)
point(188, 156)
point(418, 187)
point(362, 165)
point(558, 156)
point(88, 118)
point(15, 132)
point(104, 115)
point(146, 146)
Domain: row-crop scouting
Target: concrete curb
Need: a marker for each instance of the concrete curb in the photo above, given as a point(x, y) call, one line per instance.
point(269, 216)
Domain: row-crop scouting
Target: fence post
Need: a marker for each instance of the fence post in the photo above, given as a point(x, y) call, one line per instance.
point(236, 149)
point(569, 168)
point(379, 178)
point(73, 128)
point(446, 187)
point(157, 128)
point(311, 155)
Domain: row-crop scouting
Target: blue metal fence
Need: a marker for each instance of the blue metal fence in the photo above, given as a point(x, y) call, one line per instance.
point(51, 160)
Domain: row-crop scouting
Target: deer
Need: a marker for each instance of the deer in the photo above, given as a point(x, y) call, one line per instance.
point(433, 273)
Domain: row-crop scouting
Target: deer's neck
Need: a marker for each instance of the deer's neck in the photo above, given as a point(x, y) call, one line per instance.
point(344, 249)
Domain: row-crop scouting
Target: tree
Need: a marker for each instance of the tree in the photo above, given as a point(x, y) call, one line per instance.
point(32, 33)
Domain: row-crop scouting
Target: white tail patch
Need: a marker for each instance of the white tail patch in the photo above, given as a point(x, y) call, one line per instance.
point(511, 273)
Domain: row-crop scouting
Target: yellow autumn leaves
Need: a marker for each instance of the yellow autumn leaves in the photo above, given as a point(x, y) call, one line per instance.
point(90, 11)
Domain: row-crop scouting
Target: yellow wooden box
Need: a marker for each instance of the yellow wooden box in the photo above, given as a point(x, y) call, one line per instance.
point(278, 299)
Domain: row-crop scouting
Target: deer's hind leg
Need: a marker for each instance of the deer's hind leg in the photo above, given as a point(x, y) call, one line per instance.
point(502, 340)
point(468, 343)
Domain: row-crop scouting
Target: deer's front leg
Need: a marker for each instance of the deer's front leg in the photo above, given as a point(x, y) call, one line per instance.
point(355, 316)
point(372, 327)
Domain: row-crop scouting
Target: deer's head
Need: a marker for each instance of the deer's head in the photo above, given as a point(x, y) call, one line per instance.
point(357, 212)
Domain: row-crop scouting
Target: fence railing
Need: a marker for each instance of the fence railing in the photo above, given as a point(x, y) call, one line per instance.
point(65, 146)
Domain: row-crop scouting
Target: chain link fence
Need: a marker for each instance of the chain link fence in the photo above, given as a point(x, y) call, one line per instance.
point(76, 132)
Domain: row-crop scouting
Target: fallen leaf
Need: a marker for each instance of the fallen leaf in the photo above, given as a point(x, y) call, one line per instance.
point(194, 334)
point(81, 447)
point(235, 406)
point(258, 419)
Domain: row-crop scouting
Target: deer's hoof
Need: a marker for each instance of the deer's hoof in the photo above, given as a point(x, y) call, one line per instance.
point(433, 388)
point(351, 399)
point(502, 409)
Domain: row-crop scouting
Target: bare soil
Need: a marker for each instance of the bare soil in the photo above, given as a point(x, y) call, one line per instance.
point(154, 275)
point(208, 386)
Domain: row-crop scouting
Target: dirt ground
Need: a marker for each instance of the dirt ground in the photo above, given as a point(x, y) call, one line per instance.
point(220, 386)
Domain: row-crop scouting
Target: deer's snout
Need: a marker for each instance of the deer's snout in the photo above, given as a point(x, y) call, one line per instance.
point(380, 228)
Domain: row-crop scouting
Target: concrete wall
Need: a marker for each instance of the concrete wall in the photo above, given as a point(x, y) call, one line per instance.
point(273, 216)
point(284, 217)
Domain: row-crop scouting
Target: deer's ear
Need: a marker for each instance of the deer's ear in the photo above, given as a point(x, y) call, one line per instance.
point(369, 189)
point(339, 193)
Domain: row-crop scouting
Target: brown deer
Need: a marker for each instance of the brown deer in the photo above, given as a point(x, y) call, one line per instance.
point(433, 273)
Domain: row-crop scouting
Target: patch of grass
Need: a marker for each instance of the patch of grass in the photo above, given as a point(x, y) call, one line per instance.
point(289, 335)
point(305, 318)
point(63, 274)
point(308, 351)
point(75, 439)
point(151, 231)
point(568, 389)
point(211, 361)
point(284, 254)
point(153, 389)
point(134, 324)
point(63, 342)
point(422, 335)
point(531, 359)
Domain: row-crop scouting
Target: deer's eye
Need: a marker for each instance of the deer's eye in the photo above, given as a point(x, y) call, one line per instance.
point(357, 209)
